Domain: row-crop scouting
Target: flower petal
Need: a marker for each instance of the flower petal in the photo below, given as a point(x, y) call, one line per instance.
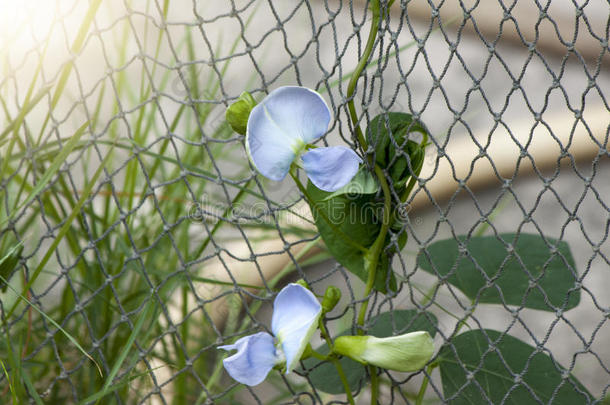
point(331, 168)
point(255, 357)
point(295, 318)
point(281, 125)
point(298, 111)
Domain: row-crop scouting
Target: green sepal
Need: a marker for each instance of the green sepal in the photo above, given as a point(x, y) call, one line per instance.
point(362, 183)
point(308, 352)
point(351, 346)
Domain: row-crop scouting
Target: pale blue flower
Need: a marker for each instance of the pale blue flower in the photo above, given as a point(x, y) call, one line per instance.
point(296, 312)
point(279, 131)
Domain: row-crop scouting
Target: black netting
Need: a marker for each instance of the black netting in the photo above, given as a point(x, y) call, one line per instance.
point(154, 240)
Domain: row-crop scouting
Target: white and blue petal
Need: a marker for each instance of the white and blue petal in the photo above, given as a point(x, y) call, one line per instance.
point(281, 125)
point(331, 168)
point(270, 150)
point(298, 112)
point(255, 357)
point(296, 312)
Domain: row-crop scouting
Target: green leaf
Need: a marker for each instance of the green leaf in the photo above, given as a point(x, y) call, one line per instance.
point(358, 217)
point(515, 269)
point(323, 375)
point(388, 133)
point(503, 369)
point(363, 183)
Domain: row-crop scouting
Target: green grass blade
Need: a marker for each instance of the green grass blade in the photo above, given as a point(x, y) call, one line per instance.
point(75, 49)
point(64, 229)
point(206, 280)
point(25, 109)
point(41, 312)
point(30, 387)
point(194, 169)
point(60, 158)
point(10, 383)
point(218, 224)
point(99, 395)
point(126, 349)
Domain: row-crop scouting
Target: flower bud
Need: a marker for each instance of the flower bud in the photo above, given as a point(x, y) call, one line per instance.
point(408, 352)
point(302, 283)
point(237, 114)
point(332, 295)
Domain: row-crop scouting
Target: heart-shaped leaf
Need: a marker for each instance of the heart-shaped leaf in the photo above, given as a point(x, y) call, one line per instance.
point(359, 218)
point(485, 366)
point(514, 269)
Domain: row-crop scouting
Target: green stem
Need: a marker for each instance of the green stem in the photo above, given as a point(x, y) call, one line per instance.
point(424, 385)
point(374, 385)
point(343, 378)
point(336, 363)
point(318, 356)
point(371, 260)
point(372, 256)
point(351, 87)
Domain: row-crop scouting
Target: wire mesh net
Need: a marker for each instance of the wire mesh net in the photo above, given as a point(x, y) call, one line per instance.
point(149, 238)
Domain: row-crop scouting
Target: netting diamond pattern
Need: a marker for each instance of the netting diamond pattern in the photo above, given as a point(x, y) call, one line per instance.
point(154, 240)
